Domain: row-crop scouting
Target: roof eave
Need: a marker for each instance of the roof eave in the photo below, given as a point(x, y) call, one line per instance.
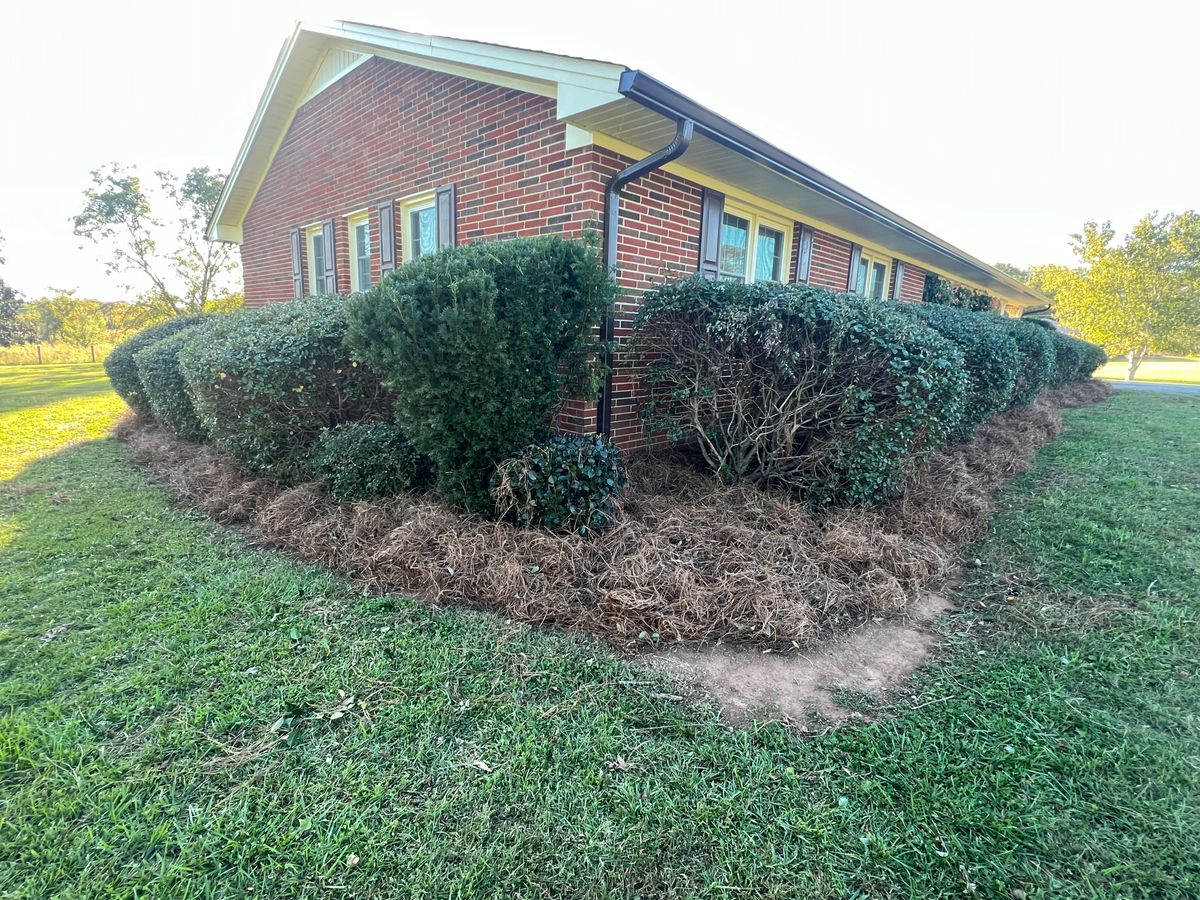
point(665, 100)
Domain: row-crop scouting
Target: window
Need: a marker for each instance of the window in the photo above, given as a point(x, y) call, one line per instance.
point(316, 258)
point(734, 251)
point(872, 277)
point(360, 250)
point(740, 259)
point(420, 226)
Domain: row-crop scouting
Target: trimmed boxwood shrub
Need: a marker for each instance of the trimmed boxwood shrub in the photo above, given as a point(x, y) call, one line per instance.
point(1037, 359)
point(163, 384)
point(368, 460)
point(832, 396)
point(266, 382)
point(1092, 357)
point(1068, 359)
point(990, 354)
point(121, 366)
point(482, 344)
point(565, 483)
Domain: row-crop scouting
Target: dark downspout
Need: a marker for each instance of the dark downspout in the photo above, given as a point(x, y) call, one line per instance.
point(612, 213)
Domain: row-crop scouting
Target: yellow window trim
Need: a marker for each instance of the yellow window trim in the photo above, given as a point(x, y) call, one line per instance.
point(353, 220)
point(408, 205)
point(756, 217)
point(310, 232)
point(870, 257)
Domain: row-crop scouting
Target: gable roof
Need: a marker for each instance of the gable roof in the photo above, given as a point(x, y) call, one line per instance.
point(607, 104)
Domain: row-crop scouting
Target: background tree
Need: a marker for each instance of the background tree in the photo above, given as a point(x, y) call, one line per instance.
point(14, 328)
point(1136, 298)
point(1012, 271)
point(83, 324)
point(175, 270)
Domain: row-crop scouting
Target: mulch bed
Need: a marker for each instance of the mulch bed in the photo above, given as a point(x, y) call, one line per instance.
point(687, 559)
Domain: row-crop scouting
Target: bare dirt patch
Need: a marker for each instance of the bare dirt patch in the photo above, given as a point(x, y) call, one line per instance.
point(803, 687)
point(688, 560)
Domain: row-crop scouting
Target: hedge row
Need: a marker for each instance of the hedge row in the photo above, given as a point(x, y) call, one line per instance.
point(833, 396)
point(451, 370)
point(121, 366)
point(267, 382)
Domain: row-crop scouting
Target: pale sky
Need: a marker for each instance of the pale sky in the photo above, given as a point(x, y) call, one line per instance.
point(999, 127)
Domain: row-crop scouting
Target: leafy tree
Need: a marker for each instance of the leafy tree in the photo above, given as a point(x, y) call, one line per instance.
point(124, 319)
point(179, 277)
point(83, 324)
point(226, 303)
point(1012, 271)
point(14, 327)
point(1136, 298)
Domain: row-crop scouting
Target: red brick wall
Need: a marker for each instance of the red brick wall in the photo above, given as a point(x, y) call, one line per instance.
point(659, 239)
point(830, 261)
point(913, 288)
point(387, 130)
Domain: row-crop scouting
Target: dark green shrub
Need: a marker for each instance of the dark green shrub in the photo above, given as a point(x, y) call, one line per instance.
point(266, 382)
point(565, 483)
point(942, 292)
point(1092, 357)
point(1068, 359)
point(832, 396)
point(482, 343)
point(990, 355)
point(368, 460)
point(122, 367)
point(1040, 322)
point(163, 386)
point(1037, 359)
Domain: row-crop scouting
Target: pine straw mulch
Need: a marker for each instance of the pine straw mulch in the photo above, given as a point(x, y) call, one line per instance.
point(687, 559)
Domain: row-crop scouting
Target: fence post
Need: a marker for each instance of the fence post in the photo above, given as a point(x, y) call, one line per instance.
point(39, 346)
point(93, 352)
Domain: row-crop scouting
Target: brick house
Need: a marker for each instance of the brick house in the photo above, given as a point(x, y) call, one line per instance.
point(372, 146)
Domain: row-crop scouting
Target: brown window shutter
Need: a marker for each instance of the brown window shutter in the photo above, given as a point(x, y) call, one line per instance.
point(897, 286)
point(852, 272)
point(387, 237)
point(804, 257)
point(712, 208)
point(329, 279)
point(297, 264)
point(447, 224)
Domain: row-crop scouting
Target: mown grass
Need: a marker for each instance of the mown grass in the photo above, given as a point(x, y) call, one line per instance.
point(167, 727)
point(1169, 369)
point(46, 408)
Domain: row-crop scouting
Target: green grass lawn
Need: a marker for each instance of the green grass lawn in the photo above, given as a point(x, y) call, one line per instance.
point(1172, 369)
point(182, 715)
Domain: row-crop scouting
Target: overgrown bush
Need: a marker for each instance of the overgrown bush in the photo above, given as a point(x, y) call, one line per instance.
point(990, 355)
point(832, 396)
point(368, 460)
point(565, 483)
point(1037, 359)
point(943, 292)
point(482, 343)
point(122, 367)
point(163, 385)
point(266, 382)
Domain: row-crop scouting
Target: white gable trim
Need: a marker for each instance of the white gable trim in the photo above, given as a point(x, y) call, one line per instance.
point(304, 69)
point(334, 66)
